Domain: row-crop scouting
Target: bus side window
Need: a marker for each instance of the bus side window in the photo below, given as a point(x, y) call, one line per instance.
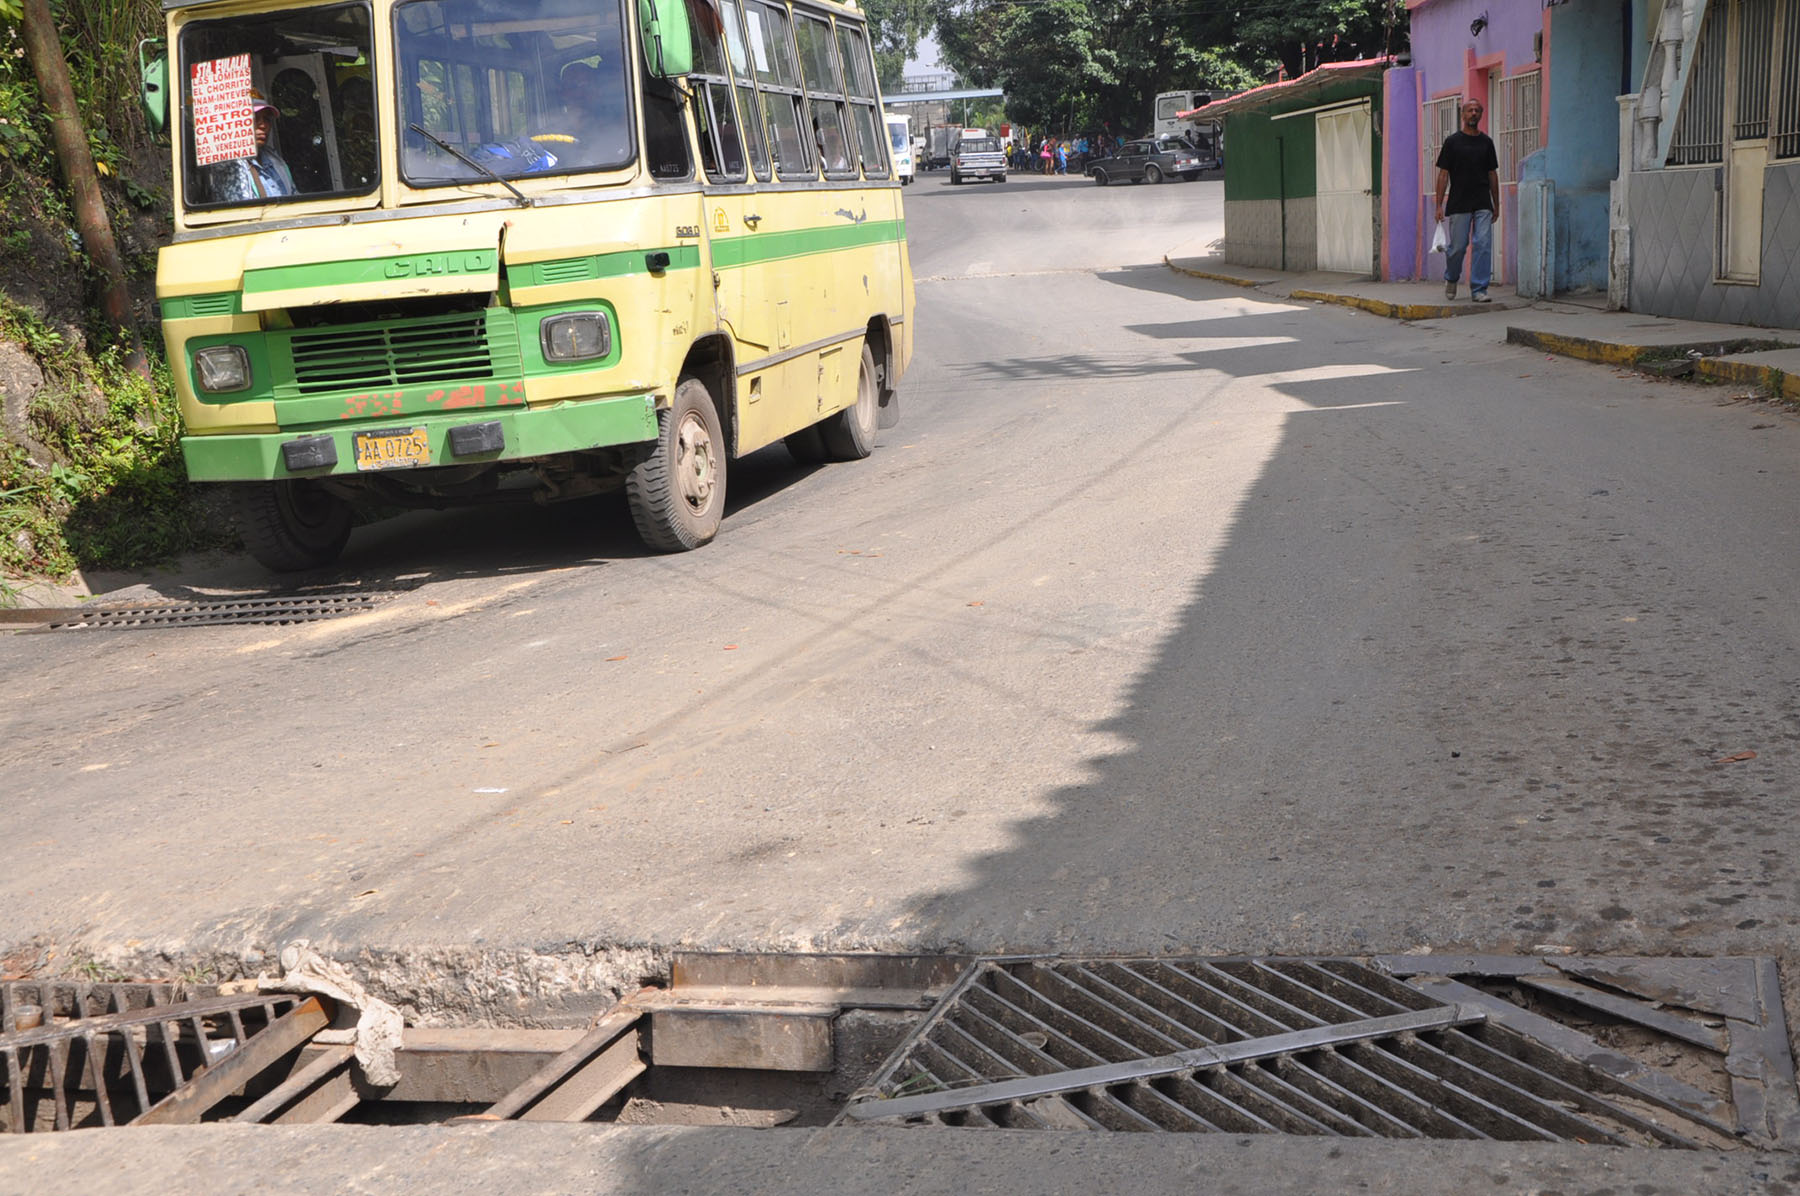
point(665, 133)
point(778, 78)
point(865, 117)
point(819, 67)
point(721, 150)
point(749, 107)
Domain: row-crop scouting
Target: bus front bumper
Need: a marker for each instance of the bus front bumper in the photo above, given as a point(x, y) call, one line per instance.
point(423, 441)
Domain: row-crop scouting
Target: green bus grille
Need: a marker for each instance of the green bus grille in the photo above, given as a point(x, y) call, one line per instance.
point(409, 353)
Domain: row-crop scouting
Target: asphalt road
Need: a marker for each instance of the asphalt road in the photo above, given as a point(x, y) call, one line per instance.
point(1169, 619)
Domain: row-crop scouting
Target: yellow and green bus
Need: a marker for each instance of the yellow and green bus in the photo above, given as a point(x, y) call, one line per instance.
point(439, 252)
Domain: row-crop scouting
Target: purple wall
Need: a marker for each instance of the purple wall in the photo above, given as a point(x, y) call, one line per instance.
point(1448, 59)
point(1400, 200)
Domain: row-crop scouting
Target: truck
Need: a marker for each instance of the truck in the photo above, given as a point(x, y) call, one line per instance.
point(978, 155)
point(940, 143)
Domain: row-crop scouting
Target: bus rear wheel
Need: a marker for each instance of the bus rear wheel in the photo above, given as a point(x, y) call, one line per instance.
point(290, 524)
point(677, 497)
point(849, 435)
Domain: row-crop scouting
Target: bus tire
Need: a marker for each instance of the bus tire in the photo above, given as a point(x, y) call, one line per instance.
point(805, 446)
point(290, 524)
point(849, 435)
point(677, 496)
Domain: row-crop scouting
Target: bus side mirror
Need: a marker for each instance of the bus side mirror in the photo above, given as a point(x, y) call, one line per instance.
point(668, 39)
point(153, 83)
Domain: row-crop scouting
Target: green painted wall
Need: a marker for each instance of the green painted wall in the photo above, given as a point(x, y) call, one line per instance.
point(1263, 156)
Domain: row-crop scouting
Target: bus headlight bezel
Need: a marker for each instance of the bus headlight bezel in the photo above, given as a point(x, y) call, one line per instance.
point(576, 336)
point(222, 369)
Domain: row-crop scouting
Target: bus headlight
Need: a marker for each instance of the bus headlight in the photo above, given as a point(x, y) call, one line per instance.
point(577, 336)
point(222, 369)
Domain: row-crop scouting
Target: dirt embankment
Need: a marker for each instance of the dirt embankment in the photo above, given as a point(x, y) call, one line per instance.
point(90, 471)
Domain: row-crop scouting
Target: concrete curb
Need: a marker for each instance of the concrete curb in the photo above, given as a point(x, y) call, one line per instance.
point(1770, 379)
point(1604, 352)
point(1378, 307)
point(1399, 311)
point(1715, 364)
point(1234, 279)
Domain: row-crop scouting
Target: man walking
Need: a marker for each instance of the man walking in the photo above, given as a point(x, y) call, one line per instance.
point(1470, 168)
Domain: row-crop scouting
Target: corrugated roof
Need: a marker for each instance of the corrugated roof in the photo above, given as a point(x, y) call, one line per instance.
point(1315, 79)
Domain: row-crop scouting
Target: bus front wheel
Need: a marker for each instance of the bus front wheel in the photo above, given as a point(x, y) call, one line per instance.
point(677, 497)
point(290, 524)
point(849, 435)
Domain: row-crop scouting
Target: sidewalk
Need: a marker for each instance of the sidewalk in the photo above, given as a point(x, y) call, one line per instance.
point(1767, 359)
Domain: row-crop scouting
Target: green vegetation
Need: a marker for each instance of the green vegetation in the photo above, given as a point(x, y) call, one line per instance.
point(114, 493)
point(1070, 65)
point(90, 471)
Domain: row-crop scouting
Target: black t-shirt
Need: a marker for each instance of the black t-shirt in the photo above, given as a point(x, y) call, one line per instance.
point(1468, 159)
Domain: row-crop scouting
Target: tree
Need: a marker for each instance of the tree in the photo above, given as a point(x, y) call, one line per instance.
point(1075, 64)
point(1303, 36)
point(895, 27)
point(43, 47)
point(1084, 64)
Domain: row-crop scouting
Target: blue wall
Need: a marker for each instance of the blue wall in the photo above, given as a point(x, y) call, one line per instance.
point(1587, 67)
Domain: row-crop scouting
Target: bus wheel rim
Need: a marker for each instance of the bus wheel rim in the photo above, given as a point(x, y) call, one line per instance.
point(696, 468)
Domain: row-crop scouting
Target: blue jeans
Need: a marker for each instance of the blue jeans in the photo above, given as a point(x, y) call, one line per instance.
point(1468, 228)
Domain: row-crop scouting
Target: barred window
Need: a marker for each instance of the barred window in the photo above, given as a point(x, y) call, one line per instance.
point(1520, 129)
point(1743, 83)
point(1786, 140)
point(1440, 120)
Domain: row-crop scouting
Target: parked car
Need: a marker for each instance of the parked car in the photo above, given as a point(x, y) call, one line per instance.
point(1149, 161)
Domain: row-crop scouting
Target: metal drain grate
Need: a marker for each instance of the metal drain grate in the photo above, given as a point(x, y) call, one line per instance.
point(76, 1055)
point(1681, 1053)
point(272, 611)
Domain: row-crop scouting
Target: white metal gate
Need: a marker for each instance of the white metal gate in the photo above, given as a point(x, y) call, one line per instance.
point(1344, 164)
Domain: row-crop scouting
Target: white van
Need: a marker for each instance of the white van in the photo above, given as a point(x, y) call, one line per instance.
point(899, 129)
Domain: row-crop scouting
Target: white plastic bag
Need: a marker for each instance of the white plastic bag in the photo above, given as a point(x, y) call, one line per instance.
point(1440, 238)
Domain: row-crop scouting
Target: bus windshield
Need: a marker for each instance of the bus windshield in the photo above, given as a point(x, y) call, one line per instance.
point(277, 107)
point(521, 87)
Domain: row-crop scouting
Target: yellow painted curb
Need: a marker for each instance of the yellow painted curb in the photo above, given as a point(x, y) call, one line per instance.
point(1234, 279)
point(1393, 311)
point(1771, 379)
point(1576, 346)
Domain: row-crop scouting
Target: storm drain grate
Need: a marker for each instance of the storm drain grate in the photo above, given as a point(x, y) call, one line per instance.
point(1632, 1052)
point(76, 1055)
point(271, 611)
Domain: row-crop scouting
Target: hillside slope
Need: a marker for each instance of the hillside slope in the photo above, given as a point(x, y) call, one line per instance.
point(90, 468)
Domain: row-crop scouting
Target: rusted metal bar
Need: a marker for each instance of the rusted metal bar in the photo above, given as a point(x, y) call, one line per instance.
point(593, 1084)
point(189, 1103)
point(611, 1025)
point(332, 1060)
point(1633, 1010)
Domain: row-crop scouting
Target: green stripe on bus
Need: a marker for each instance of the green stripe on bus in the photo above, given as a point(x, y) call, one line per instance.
point(769, 247)
point(363, 271)
point(188, 307)
point(600, 265)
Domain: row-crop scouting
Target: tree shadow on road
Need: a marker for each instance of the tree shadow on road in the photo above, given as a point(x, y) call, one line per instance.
point(1406, 705)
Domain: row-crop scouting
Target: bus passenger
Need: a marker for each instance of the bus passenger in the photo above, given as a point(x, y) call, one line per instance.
point(263, 175)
